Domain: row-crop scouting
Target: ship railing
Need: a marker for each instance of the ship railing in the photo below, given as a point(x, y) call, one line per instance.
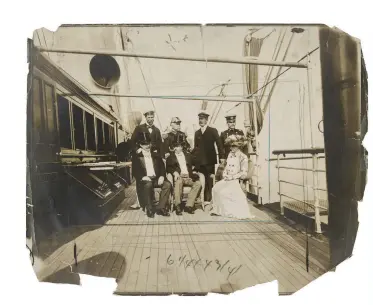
point(312, 153)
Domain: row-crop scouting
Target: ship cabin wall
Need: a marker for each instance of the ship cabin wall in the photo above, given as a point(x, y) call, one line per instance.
point(53, 129)
point(77, 127)
point(78, 66)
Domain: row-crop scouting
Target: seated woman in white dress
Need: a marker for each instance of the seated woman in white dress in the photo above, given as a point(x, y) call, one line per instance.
point(228, 198)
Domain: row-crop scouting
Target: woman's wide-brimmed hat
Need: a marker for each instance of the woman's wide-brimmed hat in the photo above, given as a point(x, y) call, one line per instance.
point(235, 140)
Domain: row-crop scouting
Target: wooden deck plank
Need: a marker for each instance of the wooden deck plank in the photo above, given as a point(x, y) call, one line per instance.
point(152, 275)
point(243, 245)
point(119, 239)
point(89, 244)
point(208, 256)
point(190, 248)
point(170, 256)
point(164, 283)
point(134, 249)
point(291, 260)
point(141, 284)
point(120, 264)
point(284, 270)
point(288, 268)
point(188, 263)
point(217, 235)
point(89, 263)
point(256, 246)
point(285, 242)
point(181, 251)
point(127, 283)
point(248, 259)
point(63, 259)
point(107, 247)
point(298, 250)
point(137, 259)
point(182, 278)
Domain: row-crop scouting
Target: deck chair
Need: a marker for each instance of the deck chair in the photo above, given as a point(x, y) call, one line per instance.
point(245, 180)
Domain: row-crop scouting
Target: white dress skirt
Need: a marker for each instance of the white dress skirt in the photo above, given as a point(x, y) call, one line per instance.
point(228, 198)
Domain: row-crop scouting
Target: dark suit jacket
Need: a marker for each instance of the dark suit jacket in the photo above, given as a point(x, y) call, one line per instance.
point(139, 168)
point(155, 136)
point(225, 134)
point(170, 139)
point(204, 149)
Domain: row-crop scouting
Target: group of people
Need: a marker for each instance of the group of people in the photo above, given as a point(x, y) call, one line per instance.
point(169, 163)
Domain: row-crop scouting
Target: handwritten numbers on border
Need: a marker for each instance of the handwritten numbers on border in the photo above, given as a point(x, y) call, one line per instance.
point(204, 263)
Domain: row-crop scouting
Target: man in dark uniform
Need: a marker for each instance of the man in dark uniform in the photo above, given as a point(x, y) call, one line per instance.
point(155, 135)
point(204, 154)
point(231, 122)
point(171, 136)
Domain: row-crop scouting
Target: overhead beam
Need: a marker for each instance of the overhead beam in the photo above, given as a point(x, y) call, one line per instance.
point(236, 60)
point(167, 97)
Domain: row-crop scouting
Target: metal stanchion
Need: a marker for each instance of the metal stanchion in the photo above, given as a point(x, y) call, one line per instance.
point(279, 185)
point(316, 193)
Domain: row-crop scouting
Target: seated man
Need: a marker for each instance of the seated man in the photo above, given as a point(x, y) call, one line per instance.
point(149, 172)
point(179, 164)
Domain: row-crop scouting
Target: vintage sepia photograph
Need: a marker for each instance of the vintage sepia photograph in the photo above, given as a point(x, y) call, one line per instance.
point(194, 159)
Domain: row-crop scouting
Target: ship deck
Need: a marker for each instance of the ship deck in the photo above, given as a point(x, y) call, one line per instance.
point(188, 254)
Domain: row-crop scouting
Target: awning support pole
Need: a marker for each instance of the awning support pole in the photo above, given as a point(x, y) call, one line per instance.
point(237, 60)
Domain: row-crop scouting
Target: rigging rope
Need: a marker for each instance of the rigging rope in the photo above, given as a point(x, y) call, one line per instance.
point(278, 73)
point(274, 57)
point(252, 94)
point(221, 93)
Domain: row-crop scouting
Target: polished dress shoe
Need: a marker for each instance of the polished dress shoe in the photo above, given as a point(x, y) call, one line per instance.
point(163, 212)
point(178, 210)
point(189, 210)
point(150, 213)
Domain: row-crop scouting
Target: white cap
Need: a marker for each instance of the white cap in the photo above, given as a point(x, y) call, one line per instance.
point(203, 113)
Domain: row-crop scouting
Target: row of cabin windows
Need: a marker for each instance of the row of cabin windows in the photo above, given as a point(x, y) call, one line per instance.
point(83, 124)
point(76, 126)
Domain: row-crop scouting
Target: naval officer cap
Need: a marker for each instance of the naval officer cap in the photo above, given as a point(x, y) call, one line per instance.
point(203, 114)
point(230, 117)
point(148, 111)
point(175, 120)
